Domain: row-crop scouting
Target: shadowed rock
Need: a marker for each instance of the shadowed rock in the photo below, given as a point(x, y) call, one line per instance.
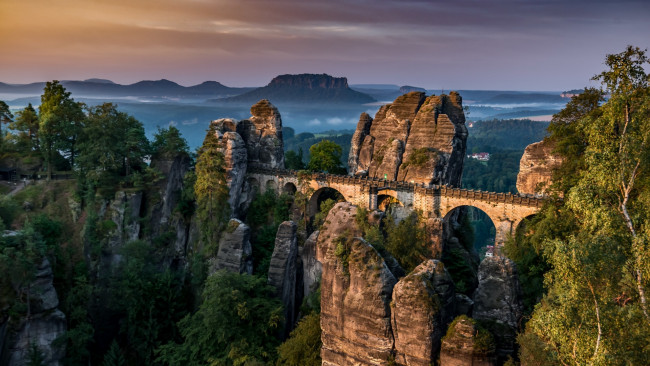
point(282, 270)
point(536, 168)
point(235, 251)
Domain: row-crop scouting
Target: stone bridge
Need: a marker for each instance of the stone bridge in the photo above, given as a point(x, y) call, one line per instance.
point(506, 210)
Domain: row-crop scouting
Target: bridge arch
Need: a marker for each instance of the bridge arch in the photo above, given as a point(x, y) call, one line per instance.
point(271, 185)
point(320, 196)
point(254, 184)
point(289, 188)
point(484, 228)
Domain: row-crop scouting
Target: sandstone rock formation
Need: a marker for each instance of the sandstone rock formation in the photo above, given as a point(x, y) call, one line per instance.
point(124, 212)
point(465, 345)
point(356, 292)
point(498, 299)
point(164, 219)
point(235, 250)
point(46, 324)
point(535, 168)
point(250, 143)
point(423, 304)
point(262, 133)
point(311, 267)
point(283, 270)
point(415, 138)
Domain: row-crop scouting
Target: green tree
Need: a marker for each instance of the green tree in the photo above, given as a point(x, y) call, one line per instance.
point(236, 324)
point(326, 157)
point(112, 146)
point(293, 160)
point(5, 117)
point(168, 143)
point(211, 189)
point(61, 122)
point(26, 124)
point(302, 348)
point(595, 240)
point(114, 356)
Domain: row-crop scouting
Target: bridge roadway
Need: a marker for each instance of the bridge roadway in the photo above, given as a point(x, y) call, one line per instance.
point(506, 210)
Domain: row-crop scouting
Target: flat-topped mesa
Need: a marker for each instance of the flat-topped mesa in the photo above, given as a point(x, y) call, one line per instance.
point(416, 139)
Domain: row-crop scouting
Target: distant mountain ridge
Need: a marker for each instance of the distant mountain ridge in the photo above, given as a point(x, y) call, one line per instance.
point(302, 88)
point(145, 88)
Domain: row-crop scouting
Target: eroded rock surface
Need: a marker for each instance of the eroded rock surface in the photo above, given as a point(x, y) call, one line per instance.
point(283, 270)
point(498, 300)
point(463, 346)
point(235, 251)
point(46, 324)
point(536, 168)
point(312, 268)
point(262, 133)
point(415, 138)
point(355, 294)
point(423, 304)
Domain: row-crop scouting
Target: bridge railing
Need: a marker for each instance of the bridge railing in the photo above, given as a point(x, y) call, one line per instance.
point(430, 189)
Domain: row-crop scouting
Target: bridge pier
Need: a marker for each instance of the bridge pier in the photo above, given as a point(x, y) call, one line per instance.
point(503, 230)
point(373, 198)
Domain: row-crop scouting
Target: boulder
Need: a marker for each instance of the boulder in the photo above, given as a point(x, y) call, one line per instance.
point(282, 271)
point(536, 168)
point(356, 292)
point(235, 252)
point(423, 304)
point(466, 344)
point(414, 138)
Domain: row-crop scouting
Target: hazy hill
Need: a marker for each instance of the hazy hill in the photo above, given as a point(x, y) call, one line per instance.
point(304, 88)
point(145, 88)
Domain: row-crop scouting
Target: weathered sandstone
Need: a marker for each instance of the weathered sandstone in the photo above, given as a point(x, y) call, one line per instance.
point(283, 270)
point(423, 304)
point(536, 168)
point(465, 345)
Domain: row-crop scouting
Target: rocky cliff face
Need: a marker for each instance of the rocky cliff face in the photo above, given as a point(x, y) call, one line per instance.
point(465, 345)
point(235, 250)
point(356, 291)
point(46, 324)
point(498, 300)
point(164, 219)
point(423, 304)
point(311, 267)
point(536, 168)
point(283, 271)
point(415, 138)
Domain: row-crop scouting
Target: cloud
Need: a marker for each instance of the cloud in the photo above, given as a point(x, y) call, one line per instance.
point(314, 122)
point(190, 122)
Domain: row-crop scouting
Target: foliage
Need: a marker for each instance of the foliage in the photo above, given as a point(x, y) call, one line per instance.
point(8, 210)
point(326, 157)
point(27, 125)
point(293, 160)
point(61, 122)
point(211, 190)
point(151, 301)
point(483, 341)
point(303, 346)
point(595, 240)
point(303, 141)
point(419, 157)
point(168, 142)
point(504, 134)
point(499, 174)
point(237, 323)
point(112, 145)
point(114, 356)
point(265, 214)
point(321, 215)
point(406, 240)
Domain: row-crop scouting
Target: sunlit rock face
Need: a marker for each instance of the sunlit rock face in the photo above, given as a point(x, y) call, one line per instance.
point(356, 292)
point(415, 138)
point(262, 134)
point(536, 168)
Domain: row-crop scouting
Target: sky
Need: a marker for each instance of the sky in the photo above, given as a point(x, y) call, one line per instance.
point(459, 44)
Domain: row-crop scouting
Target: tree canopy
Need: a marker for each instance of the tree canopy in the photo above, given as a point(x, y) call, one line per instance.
point(326, 157)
